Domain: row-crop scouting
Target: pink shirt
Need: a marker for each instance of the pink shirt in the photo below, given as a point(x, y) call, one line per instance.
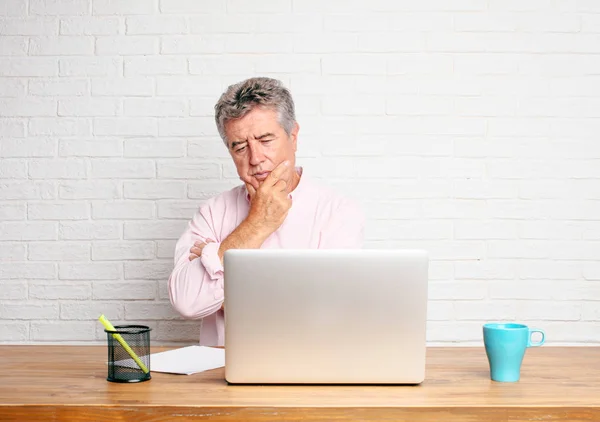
point(318, 219)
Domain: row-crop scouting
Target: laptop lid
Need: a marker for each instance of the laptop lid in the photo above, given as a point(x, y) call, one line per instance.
point(325, 316)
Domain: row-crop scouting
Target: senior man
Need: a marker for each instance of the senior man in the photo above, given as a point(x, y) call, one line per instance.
point(277, 206)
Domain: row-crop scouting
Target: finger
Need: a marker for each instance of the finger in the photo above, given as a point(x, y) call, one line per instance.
point(195, 250)
point(281, 185)
point(251, 190)
point(277, 172)
point(193, 256)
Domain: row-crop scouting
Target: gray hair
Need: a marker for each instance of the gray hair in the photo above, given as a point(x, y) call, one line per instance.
point(239, 99)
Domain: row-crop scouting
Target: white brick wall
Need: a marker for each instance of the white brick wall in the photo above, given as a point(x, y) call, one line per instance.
point(468, 128)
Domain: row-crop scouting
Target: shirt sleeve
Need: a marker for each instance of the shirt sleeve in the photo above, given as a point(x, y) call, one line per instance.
point(345, 228)
point(196, 287)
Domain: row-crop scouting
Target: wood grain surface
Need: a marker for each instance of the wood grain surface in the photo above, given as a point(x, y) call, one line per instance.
point(69, 382)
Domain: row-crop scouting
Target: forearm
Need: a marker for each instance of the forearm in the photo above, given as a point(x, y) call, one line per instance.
point(192, 291)
point(246, 236)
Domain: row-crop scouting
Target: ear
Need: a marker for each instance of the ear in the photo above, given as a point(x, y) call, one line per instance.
point(294, 136)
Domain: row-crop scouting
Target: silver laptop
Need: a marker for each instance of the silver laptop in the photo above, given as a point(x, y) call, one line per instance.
point(325, 316)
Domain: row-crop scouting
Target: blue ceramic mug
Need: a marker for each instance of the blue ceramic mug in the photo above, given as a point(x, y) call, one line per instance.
point(505, 346)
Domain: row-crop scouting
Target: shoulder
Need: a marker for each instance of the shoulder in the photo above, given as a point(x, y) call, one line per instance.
point(226, 199)
point(337, 202)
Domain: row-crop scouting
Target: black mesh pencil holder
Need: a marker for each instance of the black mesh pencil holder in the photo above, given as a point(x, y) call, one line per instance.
point(129, 355)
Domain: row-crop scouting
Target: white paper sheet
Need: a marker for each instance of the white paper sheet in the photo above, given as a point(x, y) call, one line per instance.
point(186, 360)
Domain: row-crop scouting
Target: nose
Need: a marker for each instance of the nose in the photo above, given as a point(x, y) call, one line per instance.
point(256, 153)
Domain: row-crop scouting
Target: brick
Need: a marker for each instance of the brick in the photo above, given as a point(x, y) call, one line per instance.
point(485, 189)
point(186, 86)
point(87, 25)
point(548, 311)
point(90, 148)
point(193, 44)
point(161, 25)
point(143, 107)
point(207, 148)
point(31, 230)
point(204, 190)
point(449, 331)
point(591, 271)
point(91, 66)
point(457, 290)
point(549, 270)
point(475, 106)
point(123, 210)
point(90, 271)
point(13, 211)
point(124, 7)
point(29, 26)
point(27, 190)
point(89, 230)
point(517, 6)
point(130, 290)
point(14, 331)
point(53, 291)
point(165, 249)
point(17, 107)
point(59, 7)
point(27, 270)
point(13, 8)
point(152, 148)
point(377, 42)
point(88, 107)
point(154, 230)
point(58, 211)
point(384, 230)
point(58, 87)
point(11, 128)
point(89, 190)
point(440, 311)
point(13, 169)
point(590, 311)
point(122, 169)
point(188, 170)
point(485, 311)
point(131, 45)
point(13, 251)
point(54, 331)
point(419, 105)
point(118, 251)
point(155, 270)
point(57, 169)
point(126, 87)
point(488, 269)
point(163, 290)
point(556, 230)
point(196, 126)
point(16, 290)
point(61, 46)
point(155, 65)
point(485, 22)
point(63, 251)
point(353, 64)
point(485, 230)
point(91, 310)
point(13, 46)
point(138, 126)
point(29, 67)
point(221, 65)
point(530, 249)
point(177, 209)
point(191, 7)
point(150, 311)
point(29, 310)
point(183, 332)
point(62, 126)
point(10, 87)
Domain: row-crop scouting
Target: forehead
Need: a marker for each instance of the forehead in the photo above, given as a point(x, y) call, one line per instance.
point(255, 123)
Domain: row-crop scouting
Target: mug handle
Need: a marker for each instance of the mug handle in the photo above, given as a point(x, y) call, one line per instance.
point(539, 343)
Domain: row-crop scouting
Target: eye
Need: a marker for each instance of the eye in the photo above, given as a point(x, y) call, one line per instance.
point(241, 149)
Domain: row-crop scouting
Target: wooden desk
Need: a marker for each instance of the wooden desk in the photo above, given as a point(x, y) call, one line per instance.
point(68, 382)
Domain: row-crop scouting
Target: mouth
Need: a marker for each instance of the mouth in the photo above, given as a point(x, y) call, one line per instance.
point(262, 175)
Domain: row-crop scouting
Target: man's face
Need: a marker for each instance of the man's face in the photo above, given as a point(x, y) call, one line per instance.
point(258, 143)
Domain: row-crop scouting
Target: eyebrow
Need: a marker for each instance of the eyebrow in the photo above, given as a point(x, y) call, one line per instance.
point(263, 136)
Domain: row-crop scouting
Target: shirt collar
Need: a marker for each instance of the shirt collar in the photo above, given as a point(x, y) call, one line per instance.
point(293, 194)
